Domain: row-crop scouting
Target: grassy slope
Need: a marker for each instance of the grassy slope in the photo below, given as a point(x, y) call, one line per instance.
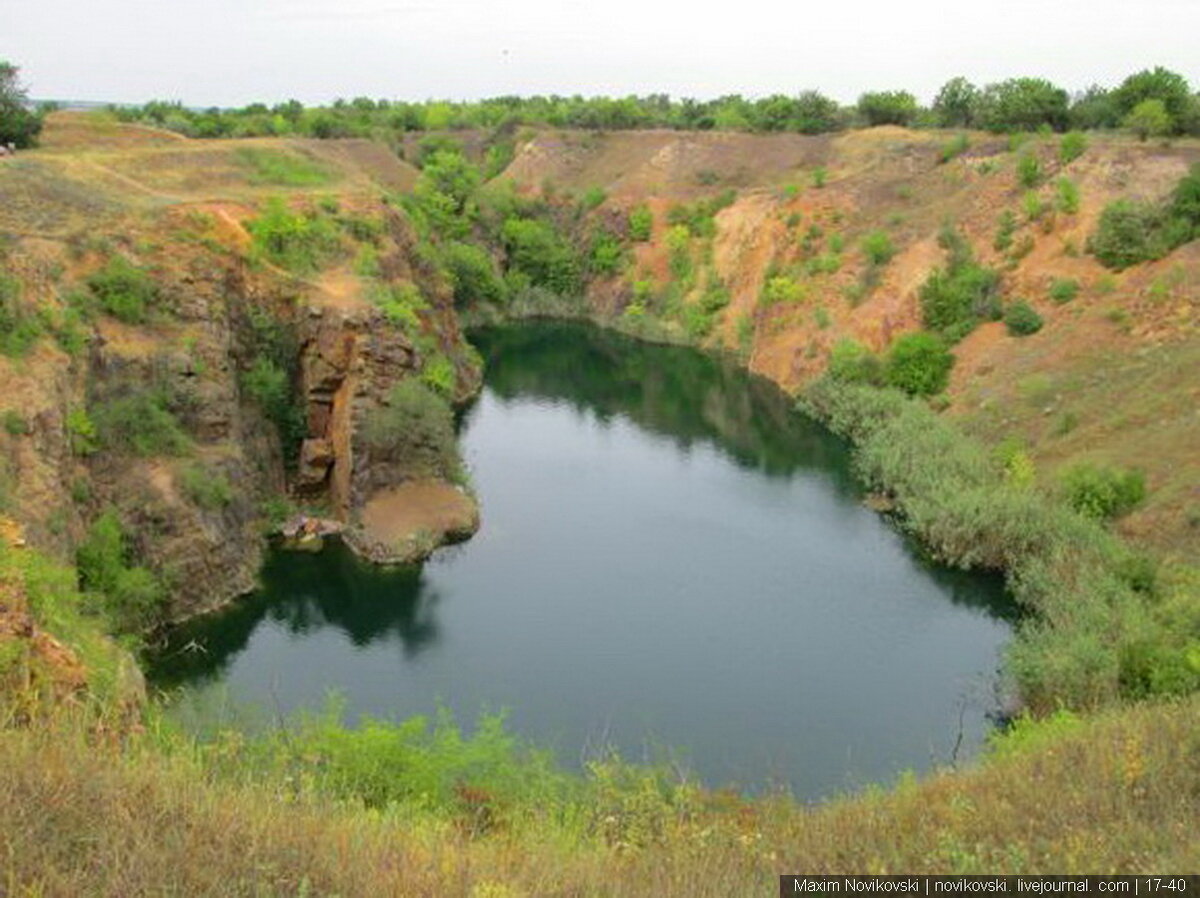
point(1118, 794)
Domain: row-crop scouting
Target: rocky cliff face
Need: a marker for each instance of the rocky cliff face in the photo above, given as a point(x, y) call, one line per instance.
point(194, 505)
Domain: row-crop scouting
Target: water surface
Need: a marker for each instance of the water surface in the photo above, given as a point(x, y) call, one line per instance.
point(670, 557)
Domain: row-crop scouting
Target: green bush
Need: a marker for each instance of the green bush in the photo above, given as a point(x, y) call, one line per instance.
point(401, 304)
point(139, 423)
point(297, 241)
point(205, 485)
point(851, 362)
point(123, 290)
point(19, 327)
point(82, 432)
point(956, 298)
point(474, 274)
point(641, 223)
point(1103, 492)
point(878, 248)
point(1029, 171)
point(593, 197)
point(1127, 233)
point(819, 176)
point(1063, 290)
point(953, 148)
point(919, 364)
point(1149, 118)
point(1071, 147)
point(1130, 232)
point(1068, 195)
point(415, 428)
point(1004, 232)
point(130, 596)
point(780, 289)
point(14, 422)
point(1022, 319)
point(439, 375)
point(538, 251)
point(606, 254)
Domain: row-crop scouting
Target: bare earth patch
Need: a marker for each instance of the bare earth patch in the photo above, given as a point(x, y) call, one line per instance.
point(405, 523)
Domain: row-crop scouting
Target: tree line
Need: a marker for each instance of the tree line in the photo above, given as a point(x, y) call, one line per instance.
point(1152, 102)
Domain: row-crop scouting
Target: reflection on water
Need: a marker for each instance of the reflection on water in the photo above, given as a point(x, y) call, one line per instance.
point(670, 554)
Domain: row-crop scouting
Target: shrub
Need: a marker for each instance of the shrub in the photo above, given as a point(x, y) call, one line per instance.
point(606, 254)
point(956, 298)
point(1149, 118)
point(1130, 232)
point(205, 485)
point(131, 596)
point(1004, 231)
point(1032, 205)
point(473, 274)
point(593, 197)
point(919, 364)
point(401, 303)
point(416, 428)
point(15, 424)
point(641, 223)
point(1068, 195)
point(1029, 170)
point(19, 327)
point(1071, 147)
point(878, 248)
point(300, 242)
point(780, 289)
point(819, 176)
point(537, 250)
point(1127, 233)
point(439, 375)
point(1063, 290)
point(1103, 492)
point(139, 423)
point(123, 290)
point(953, 148)
point(1022, 319)
point(82, 432)
point(851, 362)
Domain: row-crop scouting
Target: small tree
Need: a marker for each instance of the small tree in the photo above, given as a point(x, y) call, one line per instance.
point(954, 106)
point(19, 125)
point(1149, 118)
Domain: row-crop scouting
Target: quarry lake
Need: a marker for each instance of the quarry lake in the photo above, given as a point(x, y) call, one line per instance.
point(672, 561)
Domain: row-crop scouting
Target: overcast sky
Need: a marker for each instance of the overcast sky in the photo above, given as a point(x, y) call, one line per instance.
point(231, 52)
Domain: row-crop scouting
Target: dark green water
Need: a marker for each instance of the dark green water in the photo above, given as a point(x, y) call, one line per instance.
point(670, 556)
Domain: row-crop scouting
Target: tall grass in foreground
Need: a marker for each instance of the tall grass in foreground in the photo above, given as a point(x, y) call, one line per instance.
point(1103, 627)
point(155, 816)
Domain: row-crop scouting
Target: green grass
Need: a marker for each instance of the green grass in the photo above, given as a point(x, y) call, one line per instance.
point(282, 168)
